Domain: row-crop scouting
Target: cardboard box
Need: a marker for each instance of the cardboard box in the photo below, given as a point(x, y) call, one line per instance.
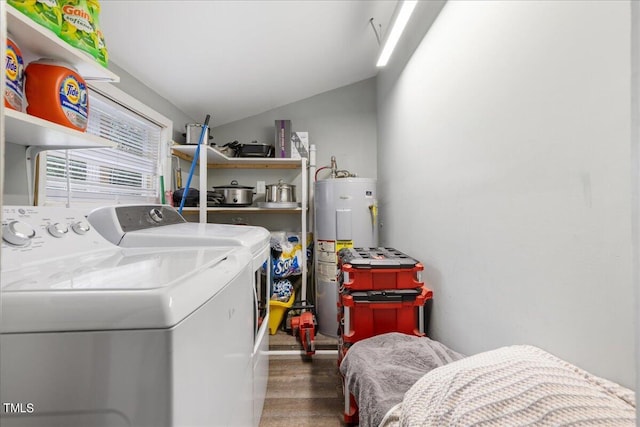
point(283, 138)
point(300, 145)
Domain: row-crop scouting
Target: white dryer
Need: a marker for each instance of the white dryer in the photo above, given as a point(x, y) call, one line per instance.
point(97, 335)
point(161, 225)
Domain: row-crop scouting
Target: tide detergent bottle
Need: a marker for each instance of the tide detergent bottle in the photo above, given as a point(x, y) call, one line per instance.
point(56, 92)
point(14, 76)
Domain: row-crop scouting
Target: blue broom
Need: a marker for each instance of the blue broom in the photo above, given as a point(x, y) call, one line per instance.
point(193, 163)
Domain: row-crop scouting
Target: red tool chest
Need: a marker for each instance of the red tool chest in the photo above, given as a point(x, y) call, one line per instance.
point(363, 314)
point(378, 268)
point(381, 290)
point(369, 313)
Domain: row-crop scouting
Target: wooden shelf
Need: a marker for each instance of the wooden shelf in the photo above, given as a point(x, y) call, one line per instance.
point(216, 159)
point(250, 209)
point(23, 129)
point(41, 42)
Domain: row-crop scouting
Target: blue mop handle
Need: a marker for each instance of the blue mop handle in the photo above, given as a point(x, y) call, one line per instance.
point(193, 163)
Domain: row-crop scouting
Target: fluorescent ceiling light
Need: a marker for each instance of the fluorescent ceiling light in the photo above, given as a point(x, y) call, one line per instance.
point(406, 9)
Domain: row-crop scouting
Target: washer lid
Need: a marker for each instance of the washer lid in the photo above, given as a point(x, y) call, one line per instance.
point(197, 234)
point(118, 289)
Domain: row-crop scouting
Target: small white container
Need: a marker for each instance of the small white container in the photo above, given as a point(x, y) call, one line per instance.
point(193, 134)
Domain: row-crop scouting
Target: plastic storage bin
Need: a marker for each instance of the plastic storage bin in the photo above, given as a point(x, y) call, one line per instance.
point(378, 268)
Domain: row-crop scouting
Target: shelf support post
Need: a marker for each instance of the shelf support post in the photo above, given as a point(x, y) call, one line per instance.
point(304, 176)
point(204, 155)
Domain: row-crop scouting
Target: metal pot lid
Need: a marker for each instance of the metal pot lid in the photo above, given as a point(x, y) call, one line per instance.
point(234, 185)
point(282, 184)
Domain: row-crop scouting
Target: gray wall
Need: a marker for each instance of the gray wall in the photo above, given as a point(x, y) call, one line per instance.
point(504, 165)
point(341, 123)
point(635, 169)
point(136, 88)
point(15, 190)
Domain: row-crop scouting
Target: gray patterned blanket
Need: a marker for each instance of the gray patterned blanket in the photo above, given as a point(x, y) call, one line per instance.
point(513, 386)
point(379, 370)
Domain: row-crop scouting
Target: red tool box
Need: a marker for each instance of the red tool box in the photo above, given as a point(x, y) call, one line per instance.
point(363, 314)
point(370, 313)
point(351, 413)
point(381, 290)
point(378, 268)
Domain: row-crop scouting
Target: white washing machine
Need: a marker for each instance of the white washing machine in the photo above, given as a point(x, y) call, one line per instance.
point(97, 335)
point(162, 225)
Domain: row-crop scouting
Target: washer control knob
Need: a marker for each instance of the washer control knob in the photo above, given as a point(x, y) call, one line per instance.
point(18, 233)
point(156, 215)
point(58, 230)
point(80, 227)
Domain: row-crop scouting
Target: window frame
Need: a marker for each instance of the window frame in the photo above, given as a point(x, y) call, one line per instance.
point(108, 90)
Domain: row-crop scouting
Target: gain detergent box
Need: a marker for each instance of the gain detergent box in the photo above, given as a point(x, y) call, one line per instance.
point(102, 55)
point(47, 13)
point(78, 27)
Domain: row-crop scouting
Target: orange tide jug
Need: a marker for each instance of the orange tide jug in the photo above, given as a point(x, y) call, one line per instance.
point(14, 70)
point(56, 92)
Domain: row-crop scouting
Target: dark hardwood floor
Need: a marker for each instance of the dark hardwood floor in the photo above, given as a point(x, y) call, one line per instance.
point(303, 391)
point(285, 341)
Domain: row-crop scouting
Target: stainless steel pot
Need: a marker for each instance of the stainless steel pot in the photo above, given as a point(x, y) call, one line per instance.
point(280, 192)
point(234, 194)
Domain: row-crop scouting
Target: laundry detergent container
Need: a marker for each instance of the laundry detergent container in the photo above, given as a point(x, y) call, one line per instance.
point(57, 93)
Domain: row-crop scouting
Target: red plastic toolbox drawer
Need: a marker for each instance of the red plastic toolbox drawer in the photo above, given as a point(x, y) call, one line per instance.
point(386, 296)
point(378, 268)
point(361, 318)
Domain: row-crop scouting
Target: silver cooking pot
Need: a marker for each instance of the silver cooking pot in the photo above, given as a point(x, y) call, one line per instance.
point(280, 192)
point(234, 194)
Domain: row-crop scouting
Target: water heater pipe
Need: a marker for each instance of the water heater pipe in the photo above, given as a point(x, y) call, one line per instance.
point(334, 166)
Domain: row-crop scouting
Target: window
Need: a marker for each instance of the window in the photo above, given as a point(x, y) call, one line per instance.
point(129, 173)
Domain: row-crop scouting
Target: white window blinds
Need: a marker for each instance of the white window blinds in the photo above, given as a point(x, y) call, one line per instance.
point(128, 173)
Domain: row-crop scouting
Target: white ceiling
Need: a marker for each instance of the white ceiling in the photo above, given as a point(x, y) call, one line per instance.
point(235, 59)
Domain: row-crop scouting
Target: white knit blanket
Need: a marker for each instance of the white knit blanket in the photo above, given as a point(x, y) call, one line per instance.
point(513, 386)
